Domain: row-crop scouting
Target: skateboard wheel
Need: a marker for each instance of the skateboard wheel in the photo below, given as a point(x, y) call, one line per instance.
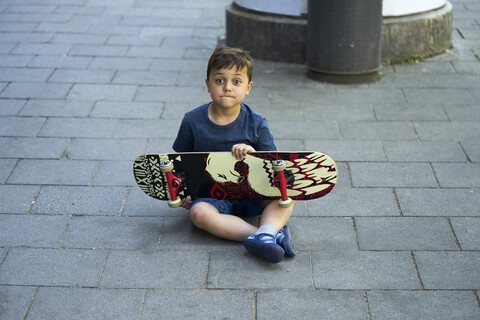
point(166, 166)
point(279, 165)
point(175, 203)
point(285, 203)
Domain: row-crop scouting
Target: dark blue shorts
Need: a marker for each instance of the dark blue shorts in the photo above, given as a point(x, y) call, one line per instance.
point(241, 208)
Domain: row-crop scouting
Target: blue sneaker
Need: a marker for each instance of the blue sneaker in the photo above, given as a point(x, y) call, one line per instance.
point(284, 239)
point(265, 247)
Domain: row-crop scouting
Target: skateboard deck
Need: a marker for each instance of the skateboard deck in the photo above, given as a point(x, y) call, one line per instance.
point(306, 175)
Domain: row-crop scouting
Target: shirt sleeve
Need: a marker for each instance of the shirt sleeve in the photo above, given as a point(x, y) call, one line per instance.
point(265, 141)
point(184, 140)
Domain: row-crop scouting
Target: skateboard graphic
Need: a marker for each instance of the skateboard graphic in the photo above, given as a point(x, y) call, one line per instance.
point(260, 175)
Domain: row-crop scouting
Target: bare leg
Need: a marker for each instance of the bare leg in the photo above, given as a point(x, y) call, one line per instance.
point(276, 215)
point(207, 217)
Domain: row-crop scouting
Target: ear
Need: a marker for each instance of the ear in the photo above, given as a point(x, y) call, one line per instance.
point(249, 87)
point(207, 84)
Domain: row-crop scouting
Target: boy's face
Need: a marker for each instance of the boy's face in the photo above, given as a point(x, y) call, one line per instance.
point(228, 87)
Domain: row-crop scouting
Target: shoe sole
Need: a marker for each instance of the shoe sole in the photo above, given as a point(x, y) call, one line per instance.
point(270, 253)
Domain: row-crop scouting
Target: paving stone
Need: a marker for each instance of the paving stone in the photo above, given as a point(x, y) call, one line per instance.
point(466, 175)
point(126, 110)
point(426, 67)
point(449, 270)
point(404, 233)
point(467, 231)
point(400, 80)
point(155, 269)
point(112, 233)
point(147, 129)
point(31, 231)
point(82, 76)
point(14, 61)
point(78, 127)
point(16, 199)
point(115, 173)
point(170, 94)
point(40, 148)
point(105, 149)
point(455, 130)
point(241, 270)
point(57, 108)
point(91, 50)
point(115, 63)
point(364, 270)
point(70, 200)
point(200, 304)
point(189, 78)
point(9, 38)
point(424, 151)
point(160, 145)
point(80, 38)
point(42, 48)
point(140, 205)
point(287, 144)
point(24, 75)
point(358, 112)
point(415, 305)
point(155, 52)
point(52, 267)
point(176, 110)
point(20, 127)
point(82, 303)
point(178, 65)
point(437, 95)
point(323, 96)
point(147, 78)
point(354, 202)
point(10, 107)
point(323, 234)
point(60, 62)
point(14, 301)
point(472, 148)
point(348, 150)
point(370, 95)
point(300, 129)
point(421, 112)
point(438, 202)
point(6, 47)
point(57, 172)
point(178, 233)
point(463, 112)
point(21, 90)
point(306, 304)
point(392, 175)
point(6, 167)
point(102, 92)
point(376, 130)
point(458, 81)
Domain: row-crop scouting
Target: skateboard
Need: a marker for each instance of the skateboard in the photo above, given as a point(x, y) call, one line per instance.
point(260, 175)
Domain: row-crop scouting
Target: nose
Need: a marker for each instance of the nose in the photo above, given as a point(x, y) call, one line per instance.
point(227, 86)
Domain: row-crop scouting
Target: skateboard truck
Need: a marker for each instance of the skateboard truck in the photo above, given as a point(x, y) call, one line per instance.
point(281, 182)
point(173, 182)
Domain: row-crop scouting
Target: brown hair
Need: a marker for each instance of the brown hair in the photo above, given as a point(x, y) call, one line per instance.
point(228, 57)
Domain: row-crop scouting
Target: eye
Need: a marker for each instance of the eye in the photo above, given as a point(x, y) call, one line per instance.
point(237, 82)
point(219, 81)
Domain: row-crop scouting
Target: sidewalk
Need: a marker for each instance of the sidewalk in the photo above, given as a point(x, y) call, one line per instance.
point(87, 85)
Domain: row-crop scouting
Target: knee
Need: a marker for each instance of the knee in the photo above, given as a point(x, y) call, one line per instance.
point(199, 215)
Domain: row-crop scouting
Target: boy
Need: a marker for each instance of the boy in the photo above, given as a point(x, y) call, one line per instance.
point(226, 124)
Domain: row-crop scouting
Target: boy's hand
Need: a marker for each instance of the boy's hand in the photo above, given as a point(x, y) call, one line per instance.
point(241, 150)
point(186, 202)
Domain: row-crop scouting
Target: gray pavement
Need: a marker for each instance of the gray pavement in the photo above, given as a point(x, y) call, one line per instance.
point(87, 85)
